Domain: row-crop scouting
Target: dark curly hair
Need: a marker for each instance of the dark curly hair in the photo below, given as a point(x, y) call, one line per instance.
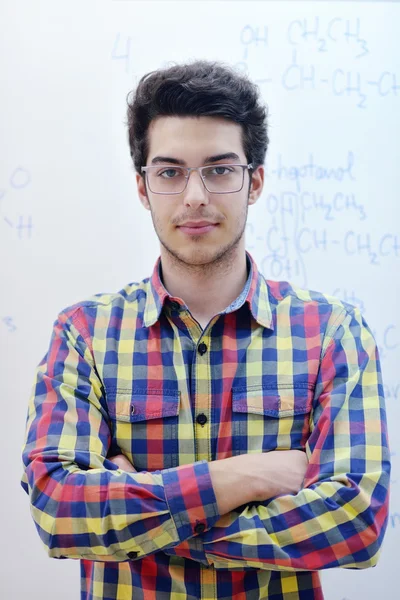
point(198, 88)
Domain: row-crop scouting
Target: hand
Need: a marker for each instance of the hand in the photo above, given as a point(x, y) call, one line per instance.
point(277, 472)
point(242, 479)
point(123, 463)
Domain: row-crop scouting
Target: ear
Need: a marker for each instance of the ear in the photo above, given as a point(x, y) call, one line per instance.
point(257, 184)
point(142, 191)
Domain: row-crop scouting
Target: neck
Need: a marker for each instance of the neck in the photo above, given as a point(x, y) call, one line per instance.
point(205, 289)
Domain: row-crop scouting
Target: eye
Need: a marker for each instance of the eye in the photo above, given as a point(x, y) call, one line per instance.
point(219, 171)
point(161, 173)
point(223, 168)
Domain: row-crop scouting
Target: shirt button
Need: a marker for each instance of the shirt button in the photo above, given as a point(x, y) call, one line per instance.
point(200, 527)
point(133, 554)
point(175, 305)
point(202, 348)
point(201, 419)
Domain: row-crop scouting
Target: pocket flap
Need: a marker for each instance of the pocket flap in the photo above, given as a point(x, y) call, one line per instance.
point(142, 404)
point(278, 401)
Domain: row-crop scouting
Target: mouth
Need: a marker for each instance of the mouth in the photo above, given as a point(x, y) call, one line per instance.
point(197, 230)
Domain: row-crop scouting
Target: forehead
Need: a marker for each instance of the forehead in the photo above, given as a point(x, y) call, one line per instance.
point(193, 137)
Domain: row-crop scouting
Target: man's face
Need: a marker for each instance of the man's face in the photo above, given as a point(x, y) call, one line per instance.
point(191, 140)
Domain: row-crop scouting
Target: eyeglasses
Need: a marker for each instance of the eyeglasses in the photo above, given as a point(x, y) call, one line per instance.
point(217, 179)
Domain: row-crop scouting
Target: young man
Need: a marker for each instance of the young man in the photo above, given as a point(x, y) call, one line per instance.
point(207, 433)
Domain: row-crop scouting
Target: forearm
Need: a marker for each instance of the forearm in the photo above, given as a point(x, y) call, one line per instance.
point(305, 531)
point(228, 476)
point(111, 515)
point(233, 486)
point(242, 481)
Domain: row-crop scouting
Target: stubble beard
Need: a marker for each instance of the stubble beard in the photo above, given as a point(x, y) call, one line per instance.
point(201, 260)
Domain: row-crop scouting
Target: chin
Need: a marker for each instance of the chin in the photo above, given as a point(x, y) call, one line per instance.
point(195, 256)
point(198, 256)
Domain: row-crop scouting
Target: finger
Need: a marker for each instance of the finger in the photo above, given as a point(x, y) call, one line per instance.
point(123, 463)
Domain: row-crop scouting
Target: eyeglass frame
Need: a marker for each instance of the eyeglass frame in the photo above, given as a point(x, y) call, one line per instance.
point(190, 169)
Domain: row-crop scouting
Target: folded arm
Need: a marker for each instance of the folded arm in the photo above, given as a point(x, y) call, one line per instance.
point(339, 517)
point(82, 504)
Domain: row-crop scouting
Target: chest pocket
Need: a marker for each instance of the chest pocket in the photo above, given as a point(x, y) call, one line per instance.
point(145, 426)
point(266, 419)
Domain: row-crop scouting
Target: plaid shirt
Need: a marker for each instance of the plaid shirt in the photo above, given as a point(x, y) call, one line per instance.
point(133, 372)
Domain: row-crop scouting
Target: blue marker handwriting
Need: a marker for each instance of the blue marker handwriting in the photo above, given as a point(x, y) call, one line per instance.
point(310, 171)
point(18, 180)
point(329, 205)
point(8, 322)
point(322, 36)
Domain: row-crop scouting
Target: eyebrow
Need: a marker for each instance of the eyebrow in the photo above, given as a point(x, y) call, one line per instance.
point(208, 159)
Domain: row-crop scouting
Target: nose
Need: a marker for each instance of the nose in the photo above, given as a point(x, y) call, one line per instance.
point(195, 193)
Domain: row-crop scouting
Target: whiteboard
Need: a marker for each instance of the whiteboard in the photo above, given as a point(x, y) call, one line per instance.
point(71, 223)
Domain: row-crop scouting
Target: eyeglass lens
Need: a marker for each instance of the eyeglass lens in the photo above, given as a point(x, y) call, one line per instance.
point(217, 178)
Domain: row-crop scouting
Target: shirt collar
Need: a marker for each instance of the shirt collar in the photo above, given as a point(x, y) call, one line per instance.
point(254, 293)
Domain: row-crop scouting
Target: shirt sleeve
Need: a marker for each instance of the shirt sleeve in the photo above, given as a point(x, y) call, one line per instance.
point(339, 517)
point(82, 504)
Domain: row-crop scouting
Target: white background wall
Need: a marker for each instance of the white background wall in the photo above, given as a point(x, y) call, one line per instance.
point(71, 223)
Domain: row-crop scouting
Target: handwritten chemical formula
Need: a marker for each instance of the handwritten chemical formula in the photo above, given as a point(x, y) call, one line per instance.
point(17, 180)
point(306, 38)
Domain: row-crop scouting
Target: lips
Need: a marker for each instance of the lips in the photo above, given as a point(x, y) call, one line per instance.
point(198, 228)
point(197, 224)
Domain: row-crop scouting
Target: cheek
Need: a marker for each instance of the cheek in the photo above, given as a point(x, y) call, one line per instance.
point(162, 216)
point(238, 217)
